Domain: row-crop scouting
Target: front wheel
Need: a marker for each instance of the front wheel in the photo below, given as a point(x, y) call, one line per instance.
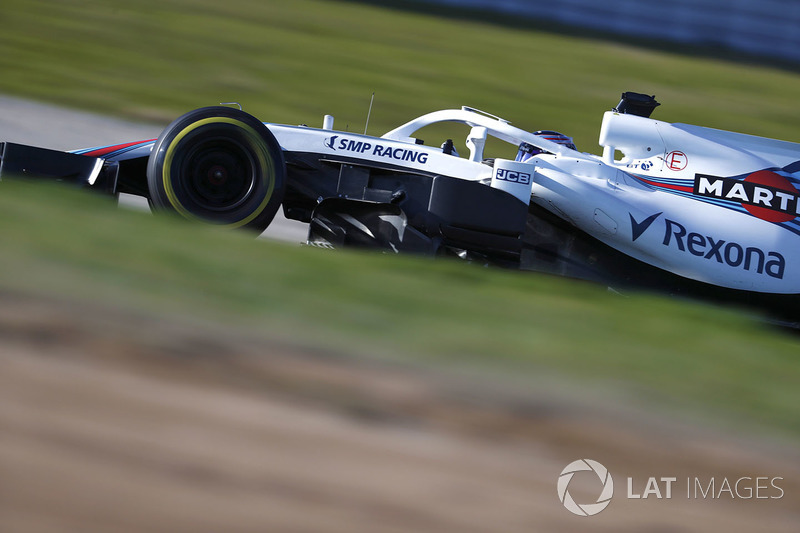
point(218, 165)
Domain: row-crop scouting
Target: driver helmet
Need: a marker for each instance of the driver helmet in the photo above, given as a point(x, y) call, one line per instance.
point(526, 151)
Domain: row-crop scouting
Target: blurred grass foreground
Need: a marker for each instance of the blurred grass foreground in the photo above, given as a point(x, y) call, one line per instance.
point(666, 354)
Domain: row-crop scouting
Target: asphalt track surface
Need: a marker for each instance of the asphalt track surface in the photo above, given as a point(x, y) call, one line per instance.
point(113, 420)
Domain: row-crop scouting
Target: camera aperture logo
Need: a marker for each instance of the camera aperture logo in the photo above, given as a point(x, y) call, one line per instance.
point(585, 509)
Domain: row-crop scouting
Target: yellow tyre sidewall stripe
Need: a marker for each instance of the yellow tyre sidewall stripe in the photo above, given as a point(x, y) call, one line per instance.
point(265, 165)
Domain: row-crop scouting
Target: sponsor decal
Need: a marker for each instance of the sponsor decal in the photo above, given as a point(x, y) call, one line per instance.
point(397, 153)
point(676, 160)
point(764, 194)
point(732, 254)
point(644, 165)
point(637, 228)
point(330, 142)
point(513, 176)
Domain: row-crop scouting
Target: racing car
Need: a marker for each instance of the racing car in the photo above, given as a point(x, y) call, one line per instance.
point(674, 207)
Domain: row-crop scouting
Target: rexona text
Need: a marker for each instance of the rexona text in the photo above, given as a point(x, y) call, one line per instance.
point(732, 254)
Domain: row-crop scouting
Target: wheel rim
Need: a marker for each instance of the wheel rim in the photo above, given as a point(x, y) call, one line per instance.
point(219, 174)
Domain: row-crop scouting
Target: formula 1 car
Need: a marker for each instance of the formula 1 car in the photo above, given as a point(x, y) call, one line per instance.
point(687, 210)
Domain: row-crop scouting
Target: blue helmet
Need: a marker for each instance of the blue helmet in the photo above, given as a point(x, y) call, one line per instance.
point(526, 151)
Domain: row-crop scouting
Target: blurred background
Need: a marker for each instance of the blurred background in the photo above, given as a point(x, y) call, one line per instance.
point(159, 376)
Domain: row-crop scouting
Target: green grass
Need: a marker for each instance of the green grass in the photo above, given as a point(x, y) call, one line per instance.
point(665, 354)
point(292, 62)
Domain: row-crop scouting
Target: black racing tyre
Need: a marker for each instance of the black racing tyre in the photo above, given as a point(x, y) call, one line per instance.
point(218, 165)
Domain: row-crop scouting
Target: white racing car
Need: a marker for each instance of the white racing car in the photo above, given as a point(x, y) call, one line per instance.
point(686, 209)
